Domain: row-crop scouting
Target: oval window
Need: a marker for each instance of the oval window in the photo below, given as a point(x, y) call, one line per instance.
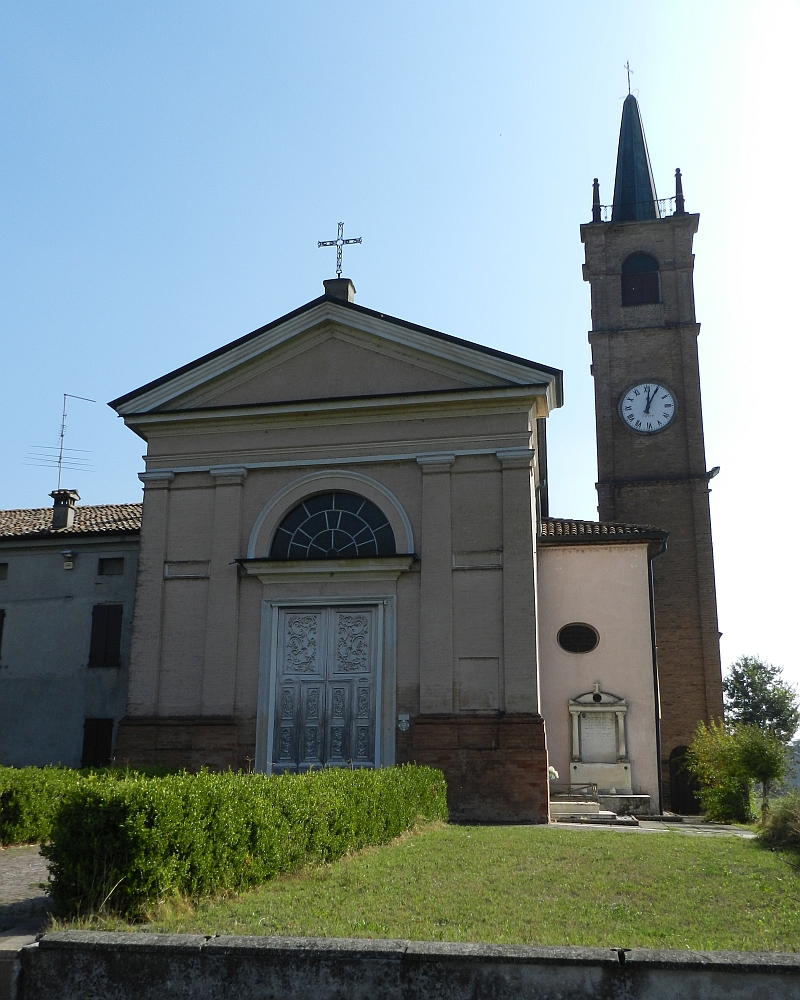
point(578, 638)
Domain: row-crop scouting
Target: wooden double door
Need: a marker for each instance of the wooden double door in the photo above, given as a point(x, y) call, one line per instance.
point(326, 688)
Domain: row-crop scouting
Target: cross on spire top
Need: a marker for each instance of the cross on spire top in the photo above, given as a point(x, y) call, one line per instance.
point(339, 242)
point(628, 68)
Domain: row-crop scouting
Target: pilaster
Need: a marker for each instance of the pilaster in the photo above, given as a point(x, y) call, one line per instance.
point(219, 669)
point(436, 586)
point(519, 612)
point(148, 606)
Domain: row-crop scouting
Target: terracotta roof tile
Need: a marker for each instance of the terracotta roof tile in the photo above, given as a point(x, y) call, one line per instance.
point(106, 518)
point(566, 529)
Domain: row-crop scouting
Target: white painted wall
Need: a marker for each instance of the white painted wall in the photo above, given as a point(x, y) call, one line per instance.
point(605, 586)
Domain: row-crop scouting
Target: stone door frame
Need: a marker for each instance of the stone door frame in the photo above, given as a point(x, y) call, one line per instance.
point(385, 700)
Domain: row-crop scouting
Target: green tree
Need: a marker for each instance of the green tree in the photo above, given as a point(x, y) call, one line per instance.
point(762, 756)
point(726, 759)
point(712, 757)
point(755, 695)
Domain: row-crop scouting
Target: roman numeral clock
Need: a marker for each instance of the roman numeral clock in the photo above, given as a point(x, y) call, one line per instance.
point(647, 408)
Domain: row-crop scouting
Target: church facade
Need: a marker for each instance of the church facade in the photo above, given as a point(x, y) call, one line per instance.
point(334, 578)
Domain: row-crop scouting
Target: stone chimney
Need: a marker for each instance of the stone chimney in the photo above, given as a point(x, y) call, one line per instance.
point(340, 288)
point(64, 507)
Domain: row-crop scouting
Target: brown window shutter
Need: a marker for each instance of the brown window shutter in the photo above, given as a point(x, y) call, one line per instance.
point(97, 647)
point(97, 735)
point(113, 635)
point(104, 648)
point(105, 730)
point(89, 741)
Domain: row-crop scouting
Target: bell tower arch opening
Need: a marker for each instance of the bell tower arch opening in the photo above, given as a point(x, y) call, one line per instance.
point(641, 280)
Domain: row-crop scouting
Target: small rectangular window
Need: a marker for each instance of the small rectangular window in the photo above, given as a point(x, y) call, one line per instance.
point(2, 621)
point(3, 571)
point(97, 734)
point(110, 567)
point(104, 648)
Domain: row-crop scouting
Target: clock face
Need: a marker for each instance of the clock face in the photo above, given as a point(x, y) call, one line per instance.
point(647, 408)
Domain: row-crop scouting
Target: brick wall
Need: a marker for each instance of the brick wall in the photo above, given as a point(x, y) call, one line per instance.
point(690, 678)
point(190, 742)
point(495, 766)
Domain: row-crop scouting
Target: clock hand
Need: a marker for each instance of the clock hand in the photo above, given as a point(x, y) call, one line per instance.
point(650, 398)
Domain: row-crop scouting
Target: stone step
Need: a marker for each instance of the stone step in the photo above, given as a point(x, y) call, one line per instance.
point(573, 807)
point(602, 818)
point(625, 804)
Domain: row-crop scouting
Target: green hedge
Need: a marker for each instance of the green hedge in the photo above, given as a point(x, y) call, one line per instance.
point(30, 797)
point(122, 845)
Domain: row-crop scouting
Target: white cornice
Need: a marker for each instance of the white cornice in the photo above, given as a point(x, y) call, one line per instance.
point(462, 354)
point(335, 463)
point(321, 570)
point(349, 409)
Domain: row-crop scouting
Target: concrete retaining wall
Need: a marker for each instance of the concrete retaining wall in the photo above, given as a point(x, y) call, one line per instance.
point(83, 965)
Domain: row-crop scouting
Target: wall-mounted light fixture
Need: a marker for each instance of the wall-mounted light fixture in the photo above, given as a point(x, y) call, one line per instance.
point(69, 557)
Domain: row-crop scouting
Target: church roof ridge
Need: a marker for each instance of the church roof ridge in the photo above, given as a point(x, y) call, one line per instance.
point(91, 519)
point(571, 530)
point(634, 188)
point(555, 373)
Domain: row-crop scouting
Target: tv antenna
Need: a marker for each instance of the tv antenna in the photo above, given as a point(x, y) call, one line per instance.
point(48, 457)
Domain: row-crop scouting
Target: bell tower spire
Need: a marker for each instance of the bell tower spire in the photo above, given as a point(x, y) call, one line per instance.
point(634, 188)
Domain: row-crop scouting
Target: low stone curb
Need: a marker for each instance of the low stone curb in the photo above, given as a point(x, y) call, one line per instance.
point(11, 945)
point(83, 965)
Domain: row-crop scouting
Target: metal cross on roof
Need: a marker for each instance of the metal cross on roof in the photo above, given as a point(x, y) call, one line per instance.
point(627, 66)
point(339, 242)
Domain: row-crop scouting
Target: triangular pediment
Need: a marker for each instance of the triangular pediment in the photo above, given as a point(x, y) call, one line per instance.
point(329, 349)
point(329, 362)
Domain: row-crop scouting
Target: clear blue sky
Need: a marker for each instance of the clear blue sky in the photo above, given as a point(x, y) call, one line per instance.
point(167, 168)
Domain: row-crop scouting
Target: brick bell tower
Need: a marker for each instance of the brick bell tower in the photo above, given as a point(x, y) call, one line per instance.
point(650, 450)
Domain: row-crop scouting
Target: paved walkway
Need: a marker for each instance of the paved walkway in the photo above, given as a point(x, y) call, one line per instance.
point(690, 827)
point(24, 903)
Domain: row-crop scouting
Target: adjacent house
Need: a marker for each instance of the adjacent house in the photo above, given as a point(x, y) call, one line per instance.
point(67, 579)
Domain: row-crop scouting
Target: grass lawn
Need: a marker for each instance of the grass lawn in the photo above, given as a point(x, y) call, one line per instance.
point(526, 885)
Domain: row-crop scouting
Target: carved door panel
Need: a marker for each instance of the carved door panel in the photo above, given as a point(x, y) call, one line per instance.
point(325, 703)
point(299, 695)
point(351, 684)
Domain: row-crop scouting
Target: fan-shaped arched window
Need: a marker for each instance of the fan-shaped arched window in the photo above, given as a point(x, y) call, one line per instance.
point(333, 526)
point(641, 284)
